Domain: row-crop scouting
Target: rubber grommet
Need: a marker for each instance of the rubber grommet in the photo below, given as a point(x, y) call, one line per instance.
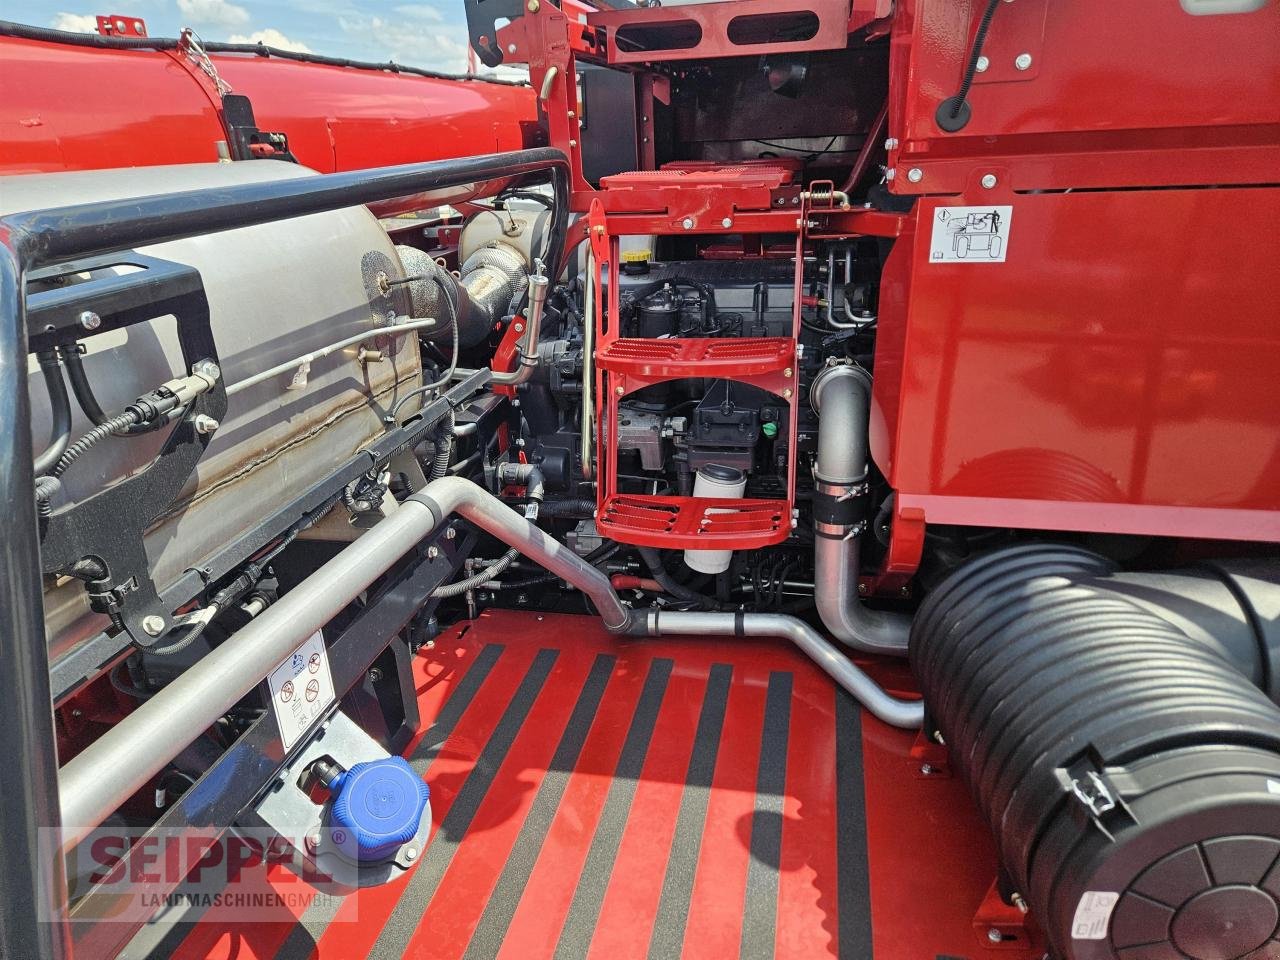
point(953, 114)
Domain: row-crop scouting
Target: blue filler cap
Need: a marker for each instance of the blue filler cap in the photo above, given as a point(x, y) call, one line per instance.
point(380, 802)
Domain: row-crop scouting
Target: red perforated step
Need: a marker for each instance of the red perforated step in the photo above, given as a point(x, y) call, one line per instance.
point(691, 523)
point(698, 357)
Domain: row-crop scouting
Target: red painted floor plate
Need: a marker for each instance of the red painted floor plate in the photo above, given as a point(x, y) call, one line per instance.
point(614, 799)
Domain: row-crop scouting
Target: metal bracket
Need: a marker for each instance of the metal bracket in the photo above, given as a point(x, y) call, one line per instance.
point(107, 528)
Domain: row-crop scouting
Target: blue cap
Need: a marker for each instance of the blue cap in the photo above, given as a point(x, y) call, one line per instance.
point(380, 803)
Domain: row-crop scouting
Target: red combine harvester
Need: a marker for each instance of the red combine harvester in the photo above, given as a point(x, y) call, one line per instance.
point(792, 480)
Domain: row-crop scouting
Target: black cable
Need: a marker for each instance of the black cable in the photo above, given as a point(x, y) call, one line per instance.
point(128, 689)
point(60, 410)
point(95, 436)
point(953, 113)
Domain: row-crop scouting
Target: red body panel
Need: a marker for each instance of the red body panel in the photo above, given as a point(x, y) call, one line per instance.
point(66, 107)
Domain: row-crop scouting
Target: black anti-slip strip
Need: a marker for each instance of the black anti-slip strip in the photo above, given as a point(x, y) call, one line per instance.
point(429, 746)
point(667, 939)
point(496, 919)
point(854, 897)
point(579, 925)
point(417, 893)
point(760, 912)
point(306, 933)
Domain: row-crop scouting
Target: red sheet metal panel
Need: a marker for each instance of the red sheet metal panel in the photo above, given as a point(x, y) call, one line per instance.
point(1117, 371)
point(65, 107)
point(72, 108)
point(1139, 93)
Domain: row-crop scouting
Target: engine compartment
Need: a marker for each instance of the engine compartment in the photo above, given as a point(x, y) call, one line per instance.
point(803, 355)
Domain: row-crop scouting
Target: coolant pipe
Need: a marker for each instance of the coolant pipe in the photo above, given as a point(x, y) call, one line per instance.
point(841, 396)
point(98, 780)
point(528, 352)
point(908, 714)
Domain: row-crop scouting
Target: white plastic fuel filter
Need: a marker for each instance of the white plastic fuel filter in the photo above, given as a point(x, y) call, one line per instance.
point(723, 483)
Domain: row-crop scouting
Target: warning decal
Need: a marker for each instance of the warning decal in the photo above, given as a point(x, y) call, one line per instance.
point(301, 689)
point(970, 234)
point(1093, 914)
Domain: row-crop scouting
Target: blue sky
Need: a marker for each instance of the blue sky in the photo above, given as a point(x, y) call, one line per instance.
point(424, 33)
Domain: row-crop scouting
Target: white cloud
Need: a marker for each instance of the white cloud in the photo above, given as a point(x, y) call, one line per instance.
point(420, 11)
point(413, 44)
point(75, 22)
point(272, 38)
point(216, 12)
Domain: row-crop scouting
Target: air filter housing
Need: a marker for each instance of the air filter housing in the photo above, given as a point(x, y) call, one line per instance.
point(1130, 774)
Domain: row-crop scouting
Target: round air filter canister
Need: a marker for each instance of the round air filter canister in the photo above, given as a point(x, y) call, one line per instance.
point(1130, 774)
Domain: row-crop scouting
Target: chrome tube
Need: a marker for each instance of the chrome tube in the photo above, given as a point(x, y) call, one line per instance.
point(528, 349)
point(587, 425)
point(97, 781)
point(841, 396)
point(908, 714)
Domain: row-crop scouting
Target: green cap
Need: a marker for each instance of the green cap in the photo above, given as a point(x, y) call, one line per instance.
point(770, 430)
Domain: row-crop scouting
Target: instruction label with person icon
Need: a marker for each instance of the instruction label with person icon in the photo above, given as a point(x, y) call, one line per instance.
point(301, 689)
point(970, 234)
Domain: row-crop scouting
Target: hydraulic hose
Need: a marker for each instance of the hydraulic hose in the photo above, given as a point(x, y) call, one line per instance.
point(653, 560)
point(60, 407)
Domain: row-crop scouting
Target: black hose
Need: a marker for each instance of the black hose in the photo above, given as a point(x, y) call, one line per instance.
point(572, 507)
point(95, 436)
point(653, 560)
point(59, 408)
point(46, 488)
point(953, 113)
point(444, 448)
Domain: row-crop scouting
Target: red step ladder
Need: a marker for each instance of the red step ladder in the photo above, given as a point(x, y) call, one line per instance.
point(624, 365)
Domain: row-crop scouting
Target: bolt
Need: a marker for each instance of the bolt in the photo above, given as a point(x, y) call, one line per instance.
point(153, 625)
point(891, 143)
point(863, 589)
point(618, 391)
point(411, 853)
point(205, 423)
point(1022, 61)
point(450, 534)
point(982, 64)
point(1020, 903)
point(787, 372)
point(519, 328)
point(533, 6)
point(207, 368)
point(90, 320)
point(904, 592)
point(995, 936)
point(890, 173)
point(433, 552)
point(927, 769)
point(726, 222)
point(511, 48)
point(375, 675)
point(915, 174)
point(687, 223)
point(313, 841)
point(571, 114)
point(787, 393)
point(989, 180)
point(781, 201)
point(541, 618)
point(573, 143)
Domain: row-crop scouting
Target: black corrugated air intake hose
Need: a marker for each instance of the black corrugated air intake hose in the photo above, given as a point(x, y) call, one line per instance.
point(1130, 773)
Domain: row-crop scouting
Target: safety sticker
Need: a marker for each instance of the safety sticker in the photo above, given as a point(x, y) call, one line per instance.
point(301, 689)
point(970, 234)
point(1093, 913)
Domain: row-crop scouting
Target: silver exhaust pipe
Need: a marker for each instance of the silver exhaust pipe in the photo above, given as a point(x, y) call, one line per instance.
point(841, 396)
point(908, 714)
point(97, 781)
